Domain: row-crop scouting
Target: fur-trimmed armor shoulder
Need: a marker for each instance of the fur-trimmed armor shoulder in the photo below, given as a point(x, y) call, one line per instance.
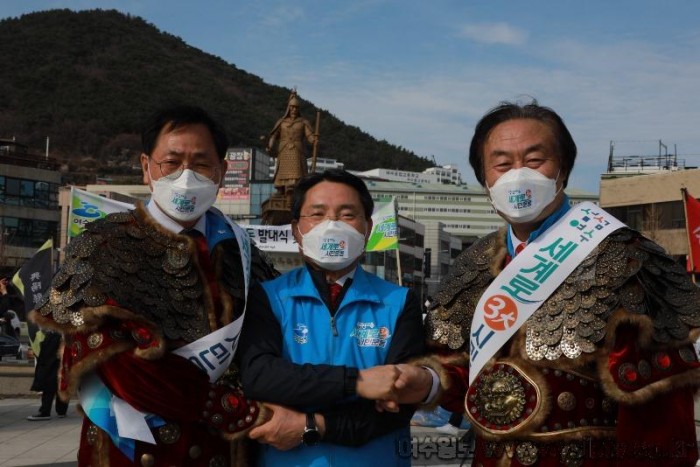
point(625, 272)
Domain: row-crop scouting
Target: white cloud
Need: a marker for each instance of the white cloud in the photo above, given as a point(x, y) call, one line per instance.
point(494, 33)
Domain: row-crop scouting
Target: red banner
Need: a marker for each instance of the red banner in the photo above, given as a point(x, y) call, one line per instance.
point(692, 216)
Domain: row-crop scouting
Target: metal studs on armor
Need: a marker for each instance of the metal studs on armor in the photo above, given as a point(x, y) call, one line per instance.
point(566, 401)
point(571, 455)
point(688, 355)
point(589, 403)
point(662, 361)
point(92, 434)
point(644, 369)
point(95, 340)
point(169, 433)
point(147, 460)
point(194, 452)
point(217, 419)
point(628, 373)
point(526, 453)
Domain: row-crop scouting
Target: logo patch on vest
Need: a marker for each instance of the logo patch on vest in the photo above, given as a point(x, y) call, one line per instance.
point(369, 335)
point(301, 333)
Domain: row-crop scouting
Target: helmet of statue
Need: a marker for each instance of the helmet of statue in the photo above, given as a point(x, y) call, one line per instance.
point(293, 101)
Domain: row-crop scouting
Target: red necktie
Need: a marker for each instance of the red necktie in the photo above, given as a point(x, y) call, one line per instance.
point(333, 293)
point(519, 248)
point(205, 263)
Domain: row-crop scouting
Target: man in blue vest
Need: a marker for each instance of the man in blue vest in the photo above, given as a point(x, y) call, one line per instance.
point(321, 344)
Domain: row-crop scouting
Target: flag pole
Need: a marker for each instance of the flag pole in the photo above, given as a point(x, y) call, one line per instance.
point(315, 147)
point(398, 243)
point(684, 193)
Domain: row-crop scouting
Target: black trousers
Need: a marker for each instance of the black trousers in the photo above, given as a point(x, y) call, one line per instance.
point(48, 395)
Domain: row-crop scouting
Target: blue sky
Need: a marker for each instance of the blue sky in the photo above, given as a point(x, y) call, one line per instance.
point(420, 74)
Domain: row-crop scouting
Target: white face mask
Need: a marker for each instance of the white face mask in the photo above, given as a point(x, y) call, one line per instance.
point(333, 245)
point(522, 194)
point(185, 198)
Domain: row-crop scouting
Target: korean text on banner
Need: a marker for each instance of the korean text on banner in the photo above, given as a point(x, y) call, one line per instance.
point(86, 207)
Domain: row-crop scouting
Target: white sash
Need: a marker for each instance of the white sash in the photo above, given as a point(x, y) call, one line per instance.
point(213, 352)
point(519, 290)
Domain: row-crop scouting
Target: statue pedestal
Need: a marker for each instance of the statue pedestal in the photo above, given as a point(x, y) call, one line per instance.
point(276, 210)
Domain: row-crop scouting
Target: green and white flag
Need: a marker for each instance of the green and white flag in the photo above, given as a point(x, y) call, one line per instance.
point(385, 232)
point(86, 207)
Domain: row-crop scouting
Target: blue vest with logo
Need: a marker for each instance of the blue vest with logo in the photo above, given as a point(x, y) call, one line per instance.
point(365, 322)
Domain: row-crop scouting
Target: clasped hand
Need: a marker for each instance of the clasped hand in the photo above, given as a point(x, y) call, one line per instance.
point(391, 385)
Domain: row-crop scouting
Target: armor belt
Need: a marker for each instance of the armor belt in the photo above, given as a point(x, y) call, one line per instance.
point(504, 400)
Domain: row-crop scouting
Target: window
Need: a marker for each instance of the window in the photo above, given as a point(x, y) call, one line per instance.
point(30, 193)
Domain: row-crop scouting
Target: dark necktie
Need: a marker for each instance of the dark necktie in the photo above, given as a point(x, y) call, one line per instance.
point(333, 294)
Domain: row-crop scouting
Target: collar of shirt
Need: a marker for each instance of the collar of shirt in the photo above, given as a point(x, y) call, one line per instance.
point(342, 279)
point(319, 276)
point(169, 224)
point(512, 241)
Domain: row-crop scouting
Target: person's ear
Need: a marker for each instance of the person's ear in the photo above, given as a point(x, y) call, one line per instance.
point(144, 169)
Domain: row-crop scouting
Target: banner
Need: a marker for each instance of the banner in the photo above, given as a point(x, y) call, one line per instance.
point(279, 238)
point(272, 238)
point(33, 280)
point(86, 207)
point(692, 216)
point(384, 235)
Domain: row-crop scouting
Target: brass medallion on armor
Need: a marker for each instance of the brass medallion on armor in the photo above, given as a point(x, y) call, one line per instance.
point(169, 433)
point(526, 453)
point(571, 455)
point(566, 401)
point(95, 339)
point(502, 398)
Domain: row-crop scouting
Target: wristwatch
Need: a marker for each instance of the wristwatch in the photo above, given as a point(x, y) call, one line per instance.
point(311, 436)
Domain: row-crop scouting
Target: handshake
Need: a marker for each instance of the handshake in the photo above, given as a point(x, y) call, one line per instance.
point(391, 385)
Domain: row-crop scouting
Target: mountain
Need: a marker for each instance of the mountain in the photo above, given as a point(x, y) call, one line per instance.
point(89, 79)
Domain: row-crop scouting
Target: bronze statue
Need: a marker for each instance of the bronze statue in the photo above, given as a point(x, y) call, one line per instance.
point(287, 143)
point(290, 134)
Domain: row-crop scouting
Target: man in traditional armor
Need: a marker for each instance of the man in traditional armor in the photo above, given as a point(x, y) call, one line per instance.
point(151, 303)
point(603, 371)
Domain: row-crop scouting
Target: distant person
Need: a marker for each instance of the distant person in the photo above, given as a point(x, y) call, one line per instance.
point(324, 337)
point(287, 143)
point(46, 377)
point(9, 322)
point(151, 301)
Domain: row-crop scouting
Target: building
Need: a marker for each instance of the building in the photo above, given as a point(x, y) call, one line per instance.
point(29, 209)
point(446, 174)
point(653, 205)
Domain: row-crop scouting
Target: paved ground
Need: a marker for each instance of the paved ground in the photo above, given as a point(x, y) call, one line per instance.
point(55, 442)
